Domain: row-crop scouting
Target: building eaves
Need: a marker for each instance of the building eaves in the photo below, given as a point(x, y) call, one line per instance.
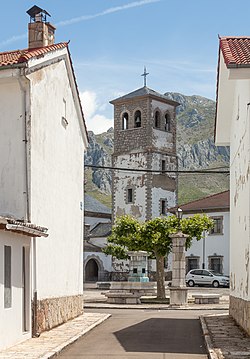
point(21, 227)
point(145, 92)
point(17, 57)
point(215, 202)
point(236, 51)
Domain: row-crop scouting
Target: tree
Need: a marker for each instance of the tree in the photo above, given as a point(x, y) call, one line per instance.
point(153, 236)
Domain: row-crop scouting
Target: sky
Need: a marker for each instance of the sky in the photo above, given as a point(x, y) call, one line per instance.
point(112, 40)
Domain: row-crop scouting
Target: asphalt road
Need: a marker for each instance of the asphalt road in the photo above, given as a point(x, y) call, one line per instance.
point(148, 334)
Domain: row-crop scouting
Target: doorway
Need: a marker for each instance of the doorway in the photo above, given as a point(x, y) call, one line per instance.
point(91, 271)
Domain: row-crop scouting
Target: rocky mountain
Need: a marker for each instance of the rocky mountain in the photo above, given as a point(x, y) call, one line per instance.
point(195, 149)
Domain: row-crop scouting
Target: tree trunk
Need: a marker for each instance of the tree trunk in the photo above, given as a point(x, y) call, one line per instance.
point(160, 277)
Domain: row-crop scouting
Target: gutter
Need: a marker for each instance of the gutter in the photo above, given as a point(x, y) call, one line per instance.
point(23, 88)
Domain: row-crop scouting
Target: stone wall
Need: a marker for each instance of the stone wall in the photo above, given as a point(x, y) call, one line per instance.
point(239, 309)
point(52, 312)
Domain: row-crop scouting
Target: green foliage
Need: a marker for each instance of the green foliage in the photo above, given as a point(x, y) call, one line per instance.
point(195, 226)
point(128, 234)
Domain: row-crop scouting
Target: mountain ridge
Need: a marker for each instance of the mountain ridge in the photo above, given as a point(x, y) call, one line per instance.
point(195, 150)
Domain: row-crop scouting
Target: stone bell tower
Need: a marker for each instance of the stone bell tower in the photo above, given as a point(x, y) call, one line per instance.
point(145, 140)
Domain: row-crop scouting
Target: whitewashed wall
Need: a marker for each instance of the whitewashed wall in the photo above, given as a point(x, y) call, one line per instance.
point(240, 192)
point(131, 180)
point(56, 182)
point(11, 325)
point(12, 147)
point(218, 244)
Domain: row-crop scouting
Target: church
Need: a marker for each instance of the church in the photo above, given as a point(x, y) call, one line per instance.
point(145, 141)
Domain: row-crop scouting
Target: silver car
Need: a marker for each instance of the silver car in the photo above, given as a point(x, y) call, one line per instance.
point(206, 277)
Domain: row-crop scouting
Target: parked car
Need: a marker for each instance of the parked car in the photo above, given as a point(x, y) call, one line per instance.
point(206, 277)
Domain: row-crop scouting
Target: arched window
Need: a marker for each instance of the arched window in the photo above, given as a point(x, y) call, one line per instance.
point(125, 121)
point(167, 123)
point(157, 119)
point(138, 118)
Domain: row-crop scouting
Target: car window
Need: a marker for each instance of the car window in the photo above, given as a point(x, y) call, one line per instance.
point(197, 272)
point(206, 273)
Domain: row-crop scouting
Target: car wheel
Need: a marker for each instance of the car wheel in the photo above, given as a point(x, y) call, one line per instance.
point(191, 283)
point(215, 284)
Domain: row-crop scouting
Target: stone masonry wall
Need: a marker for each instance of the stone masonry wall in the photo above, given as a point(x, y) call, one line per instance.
point(239, 309)
point(133, 138)
point(52, 312)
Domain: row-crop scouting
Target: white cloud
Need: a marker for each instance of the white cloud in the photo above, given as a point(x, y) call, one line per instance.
point(89, 105)
point(106, 12)
point(99, 124)
point(95, 120)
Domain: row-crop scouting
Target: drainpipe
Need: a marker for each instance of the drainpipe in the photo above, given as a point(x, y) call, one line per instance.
point(23, 80)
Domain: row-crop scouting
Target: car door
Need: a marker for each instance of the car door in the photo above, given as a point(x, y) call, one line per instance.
point(207, 278)
point(196, 276)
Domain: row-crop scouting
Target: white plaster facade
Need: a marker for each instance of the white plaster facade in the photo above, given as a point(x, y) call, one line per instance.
point(211, 246)
point(42, 141)
point(12, 319)
point(233, 128)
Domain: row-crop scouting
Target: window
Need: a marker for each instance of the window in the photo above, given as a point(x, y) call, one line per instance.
point(163, 166)
point(7, 277)
point(163, 206)
point(138, 118)
point(192, 263)
point(218, 225)
point(215, 263)
point(167, 123)
point(130, 195)
point(125, 121)
point(157, 119)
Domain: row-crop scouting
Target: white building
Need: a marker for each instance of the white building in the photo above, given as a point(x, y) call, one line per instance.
point(232, 128)
point(211, 252)
point(42, 140)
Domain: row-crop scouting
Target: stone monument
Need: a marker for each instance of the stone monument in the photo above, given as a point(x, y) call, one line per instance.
point(178, 289)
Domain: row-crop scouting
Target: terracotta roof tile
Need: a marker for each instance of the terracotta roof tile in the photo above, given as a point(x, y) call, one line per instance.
point(215, 202)
point(236, 51)
point(19, 56)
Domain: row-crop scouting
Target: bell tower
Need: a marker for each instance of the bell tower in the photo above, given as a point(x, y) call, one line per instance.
point(144, 140)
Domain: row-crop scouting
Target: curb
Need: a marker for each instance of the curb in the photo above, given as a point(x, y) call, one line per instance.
point(152, 307)
point(210, 349)
point(73, 339)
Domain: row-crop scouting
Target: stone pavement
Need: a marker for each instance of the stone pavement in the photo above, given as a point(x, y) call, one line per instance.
point(50, 343)
point(224, 338)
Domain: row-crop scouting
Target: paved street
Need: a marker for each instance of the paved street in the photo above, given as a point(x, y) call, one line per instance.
point(153, 334)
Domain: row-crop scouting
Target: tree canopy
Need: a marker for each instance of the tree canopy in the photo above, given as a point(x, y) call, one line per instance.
point(153, 236)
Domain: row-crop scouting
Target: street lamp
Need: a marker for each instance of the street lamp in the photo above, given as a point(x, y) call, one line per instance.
point(179, 214)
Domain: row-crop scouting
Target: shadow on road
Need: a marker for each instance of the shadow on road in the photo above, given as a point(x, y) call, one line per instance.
point(160, 335)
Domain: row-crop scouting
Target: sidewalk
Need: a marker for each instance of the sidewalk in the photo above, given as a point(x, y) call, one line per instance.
point(50, 343)
point(224, 338)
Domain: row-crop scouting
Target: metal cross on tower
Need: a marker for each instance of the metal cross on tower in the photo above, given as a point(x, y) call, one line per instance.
point(145, 74)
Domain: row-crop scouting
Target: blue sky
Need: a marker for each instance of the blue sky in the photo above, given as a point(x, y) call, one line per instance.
point(112, 40)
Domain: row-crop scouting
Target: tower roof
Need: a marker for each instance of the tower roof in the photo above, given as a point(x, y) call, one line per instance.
point(145, 92)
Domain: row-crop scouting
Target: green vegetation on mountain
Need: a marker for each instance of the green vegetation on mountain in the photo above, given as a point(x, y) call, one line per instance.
point(195, 150)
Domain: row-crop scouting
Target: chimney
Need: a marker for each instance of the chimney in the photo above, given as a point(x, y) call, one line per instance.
point(41, 33)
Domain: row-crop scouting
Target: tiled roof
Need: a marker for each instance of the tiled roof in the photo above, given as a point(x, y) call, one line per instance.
point(236, 51)
point(145, 91)
point(27, 228)
point(101, 230)
point(216, 202)
point(20, 56)
point(93, 205)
